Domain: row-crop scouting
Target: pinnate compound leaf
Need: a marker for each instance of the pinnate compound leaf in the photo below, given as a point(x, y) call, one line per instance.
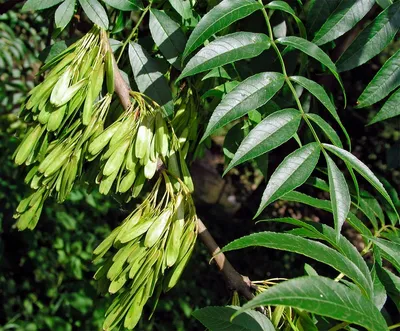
point(385, 81)
point(250, 94)
point(362, 169)
point(306, 247)
point(39, 4)
point(390, 108)
point(270, 133)
point(322, 296)
point(346, 15)
point(125, 5)
point(219, 318)
point(218, 18)
point(64, 13)
point(315, 52)
point(149, 79)
point(230, 48)
point(372, 40)
point(340, 195)
point(341, 244)
point(95, 12)
point(318, 91)
point(168, 36)
point(291, 173)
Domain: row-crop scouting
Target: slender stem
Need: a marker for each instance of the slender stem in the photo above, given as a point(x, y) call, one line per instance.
point(339, 326)
point(287, 79)
point(132, 34)
point(394, 326)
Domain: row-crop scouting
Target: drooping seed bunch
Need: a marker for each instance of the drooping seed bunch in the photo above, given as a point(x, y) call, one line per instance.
point(131, 149)
point(75, 78)
point(55, 164)
point(147, 253)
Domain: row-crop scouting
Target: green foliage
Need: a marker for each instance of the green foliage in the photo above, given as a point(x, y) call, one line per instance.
point(258, 80)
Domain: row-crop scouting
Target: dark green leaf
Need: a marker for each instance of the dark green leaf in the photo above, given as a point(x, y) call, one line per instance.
point(149, 79)
point(219, 318)
point(95, 12)
point(39, 4)
point(64, 13)
point(345, 17)
point(168, 36)
point(384, 3)
point(390, 251)
point(270, 133)
point(183, 7)
point(315, 52)
point(125, 5)
point(340, 196)
point(325, 297)
point(318, 91)
point(221, 90)
point(390, 108)
point(372, 40)
point(385, 81)
point(251, 94)
point(291, 173)
point(319, 13)
point(306, 247)
point(326, 128)
point(324, 232)
point(219, 72)
point(326, 205)
point(391, 283)
point(285, 7)
point(362, 169)
point(230, 48)
point(218, 18)
point(380, 295)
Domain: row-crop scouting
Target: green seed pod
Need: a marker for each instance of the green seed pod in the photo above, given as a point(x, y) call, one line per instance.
point(106, 244)
point(118, 311)
point(28, 145)
point(119, 281)
point(103, 139)
point(87, 107)
point(97, 79)
point(30, 174)
point(56, 117)
point(139, 183)
point(131, 221)
point(114, 163)
point(161, 135)
point(144, 137)
point(23, 204)
point(187, 179)
point(150, 169)
point(157, 228)
point(175, 235)
point(135, 310)
point(173, 165)
point(36, 181)
point(140, 228)
point(40, 92)
point(107, 182)
point(119, 261)
point(110, 72)
point(45, 113)
point(60, 88)
point(51, 157)
point(131, 159)
point(102, 270)
point(127, 182)
point(58, 163)
point(123, 130)
point(27, 216)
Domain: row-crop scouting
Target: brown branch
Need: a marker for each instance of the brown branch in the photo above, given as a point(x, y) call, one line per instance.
point(235, 281)
point(121, 87)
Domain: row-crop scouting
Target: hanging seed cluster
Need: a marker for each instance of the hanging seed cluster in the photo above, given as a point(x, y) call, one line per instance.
point(147, 253)
point(65, 112)
point(76, 131)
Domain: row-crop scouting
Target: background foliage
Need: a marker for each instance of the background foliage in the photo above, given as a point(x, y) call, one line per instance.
point(45, 275)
